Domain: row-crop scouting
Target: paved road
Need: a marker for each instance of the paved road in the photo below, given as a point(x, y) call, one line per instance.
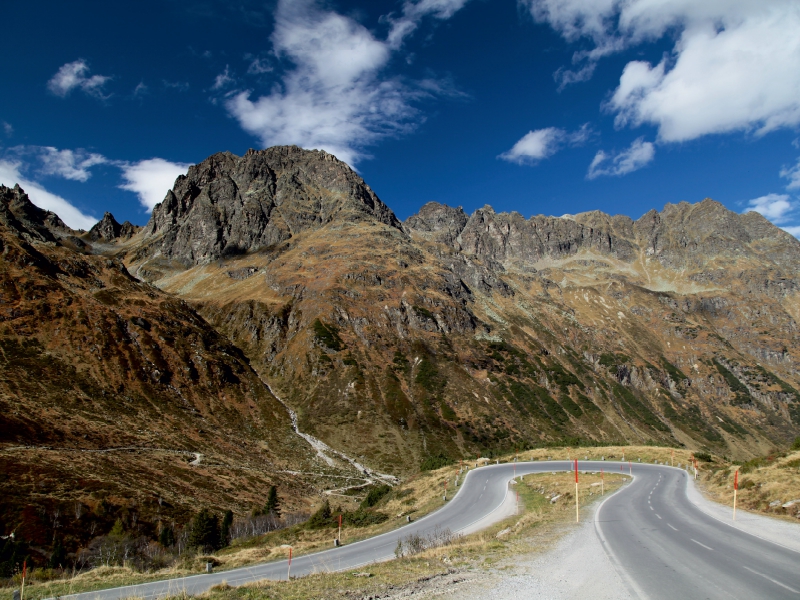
point(667, 548)
point(663, 546)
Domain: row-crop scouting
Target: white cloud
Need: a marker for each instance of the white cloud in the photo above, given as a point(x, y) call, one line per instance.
point(793, 229)
point(780, 209)
point(334, 98)
point(775, 207)
point(180, 86)
point(735, 65)
point(8, 129)
point(151, 179)
point(414, 12)
point(141, 89)
point(543, 143)
point(258, 66)
point(69, 164)
point(72, 216)
point(637, 156)
point(74, 75)
point(793, 175)
point(223, 80)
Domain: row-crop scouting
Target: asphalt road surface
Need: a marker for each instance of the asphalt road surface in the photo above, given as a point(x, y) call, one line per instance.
point(661, 544)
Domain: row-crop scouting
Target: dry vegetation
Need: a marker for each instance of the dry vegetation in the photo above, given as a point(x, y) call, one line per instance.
point(537, 526)
point(768, 484)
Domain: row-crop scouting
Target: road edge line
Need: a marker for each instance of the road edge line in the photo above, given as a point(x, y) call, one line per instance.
point(731, 525)
point(632, 587)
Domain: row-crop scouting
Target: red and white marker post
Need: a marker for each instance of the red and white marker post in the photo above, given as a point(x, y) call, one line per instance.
point(630, 466)
point(602, 482)
point(340, 529)
point(24, 572)
point(445, 489)
point(577, 514)
point(289, 572)
point(672, 460)
point(735, 489)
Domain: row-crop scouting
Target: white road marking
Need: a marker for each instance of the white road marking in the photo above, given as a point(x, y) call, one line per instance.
point(659, 516)
point(651, 508)
point(783, 585)
point(703, 545)
point(671, 527)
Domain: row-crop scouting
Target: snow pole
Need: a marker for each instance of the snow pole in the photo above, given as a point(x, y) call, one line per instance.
point(577, 513)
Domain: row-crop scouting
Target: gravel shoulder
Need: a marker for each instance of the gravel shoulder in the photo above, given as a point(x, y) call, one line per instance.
point(576, 568)
point(778, 531)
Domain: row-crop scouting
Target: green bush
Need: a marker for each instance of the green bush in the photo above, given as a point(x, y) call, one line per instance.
point(327, 335)
point(796, 444)
point(431, 463)
point(364, 518)
point(375, 495)
point(321, 518)
point(740, 391)
point(704, 456)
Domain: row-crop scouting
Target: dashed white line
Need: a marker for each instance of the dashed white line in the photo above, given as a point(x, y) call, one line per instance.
point(671, 527)
point(703, 545)
point(783, 585)
point(658, 515)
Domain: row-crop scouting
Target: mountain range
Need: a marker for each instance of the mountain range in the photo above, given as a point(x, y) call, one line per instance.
point(162, 366)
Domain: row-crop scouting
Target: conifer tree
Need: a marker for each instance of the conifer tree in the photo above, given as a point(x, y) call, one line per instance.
point(273, 505)
point(225, 528)
point(205, 531)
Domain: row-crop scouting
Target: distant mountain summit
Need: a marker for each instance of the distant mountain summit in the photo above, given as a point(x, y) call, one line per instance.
point(680, 236)
point(229, 204)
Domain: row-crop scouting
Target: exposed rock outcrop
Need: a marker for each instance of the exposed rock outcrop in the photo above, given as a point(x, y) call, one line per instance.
point(229, 205)
point(108, 229)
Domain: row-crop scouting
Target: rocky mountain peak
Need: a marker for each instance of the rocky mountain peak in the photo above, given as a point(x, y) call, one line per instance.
point(230, 204)
point(27, 220)
point(108, 229)
point(438, 223)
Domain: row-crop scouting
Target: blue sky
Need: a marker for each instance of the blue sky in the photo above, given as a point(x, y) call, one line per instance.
point(538, 106)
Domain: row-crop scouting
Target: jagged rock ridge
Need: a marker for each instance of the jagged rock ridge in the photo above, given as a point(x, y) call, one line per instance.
point(230, 205)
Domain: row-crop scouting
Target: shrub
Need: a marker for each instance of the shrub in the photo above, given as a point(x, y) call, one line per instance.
point(364, 518)
point(327, 335)
point(432, 463)
point(375, 495)
point(321, 518)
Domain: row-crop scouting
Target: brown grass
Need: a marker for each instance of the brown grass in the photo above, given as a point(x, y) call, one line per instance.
point(761, 482)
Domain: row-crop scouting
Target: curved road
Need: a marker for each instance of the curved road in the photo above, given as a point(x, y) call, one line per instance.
point(661, 544)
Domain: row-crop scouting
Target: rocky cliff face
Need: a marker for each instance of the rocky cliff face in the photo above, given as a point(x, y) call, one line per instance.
point(681, 236)
point(229, 205)
point(108, 229)
point(27, 220)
